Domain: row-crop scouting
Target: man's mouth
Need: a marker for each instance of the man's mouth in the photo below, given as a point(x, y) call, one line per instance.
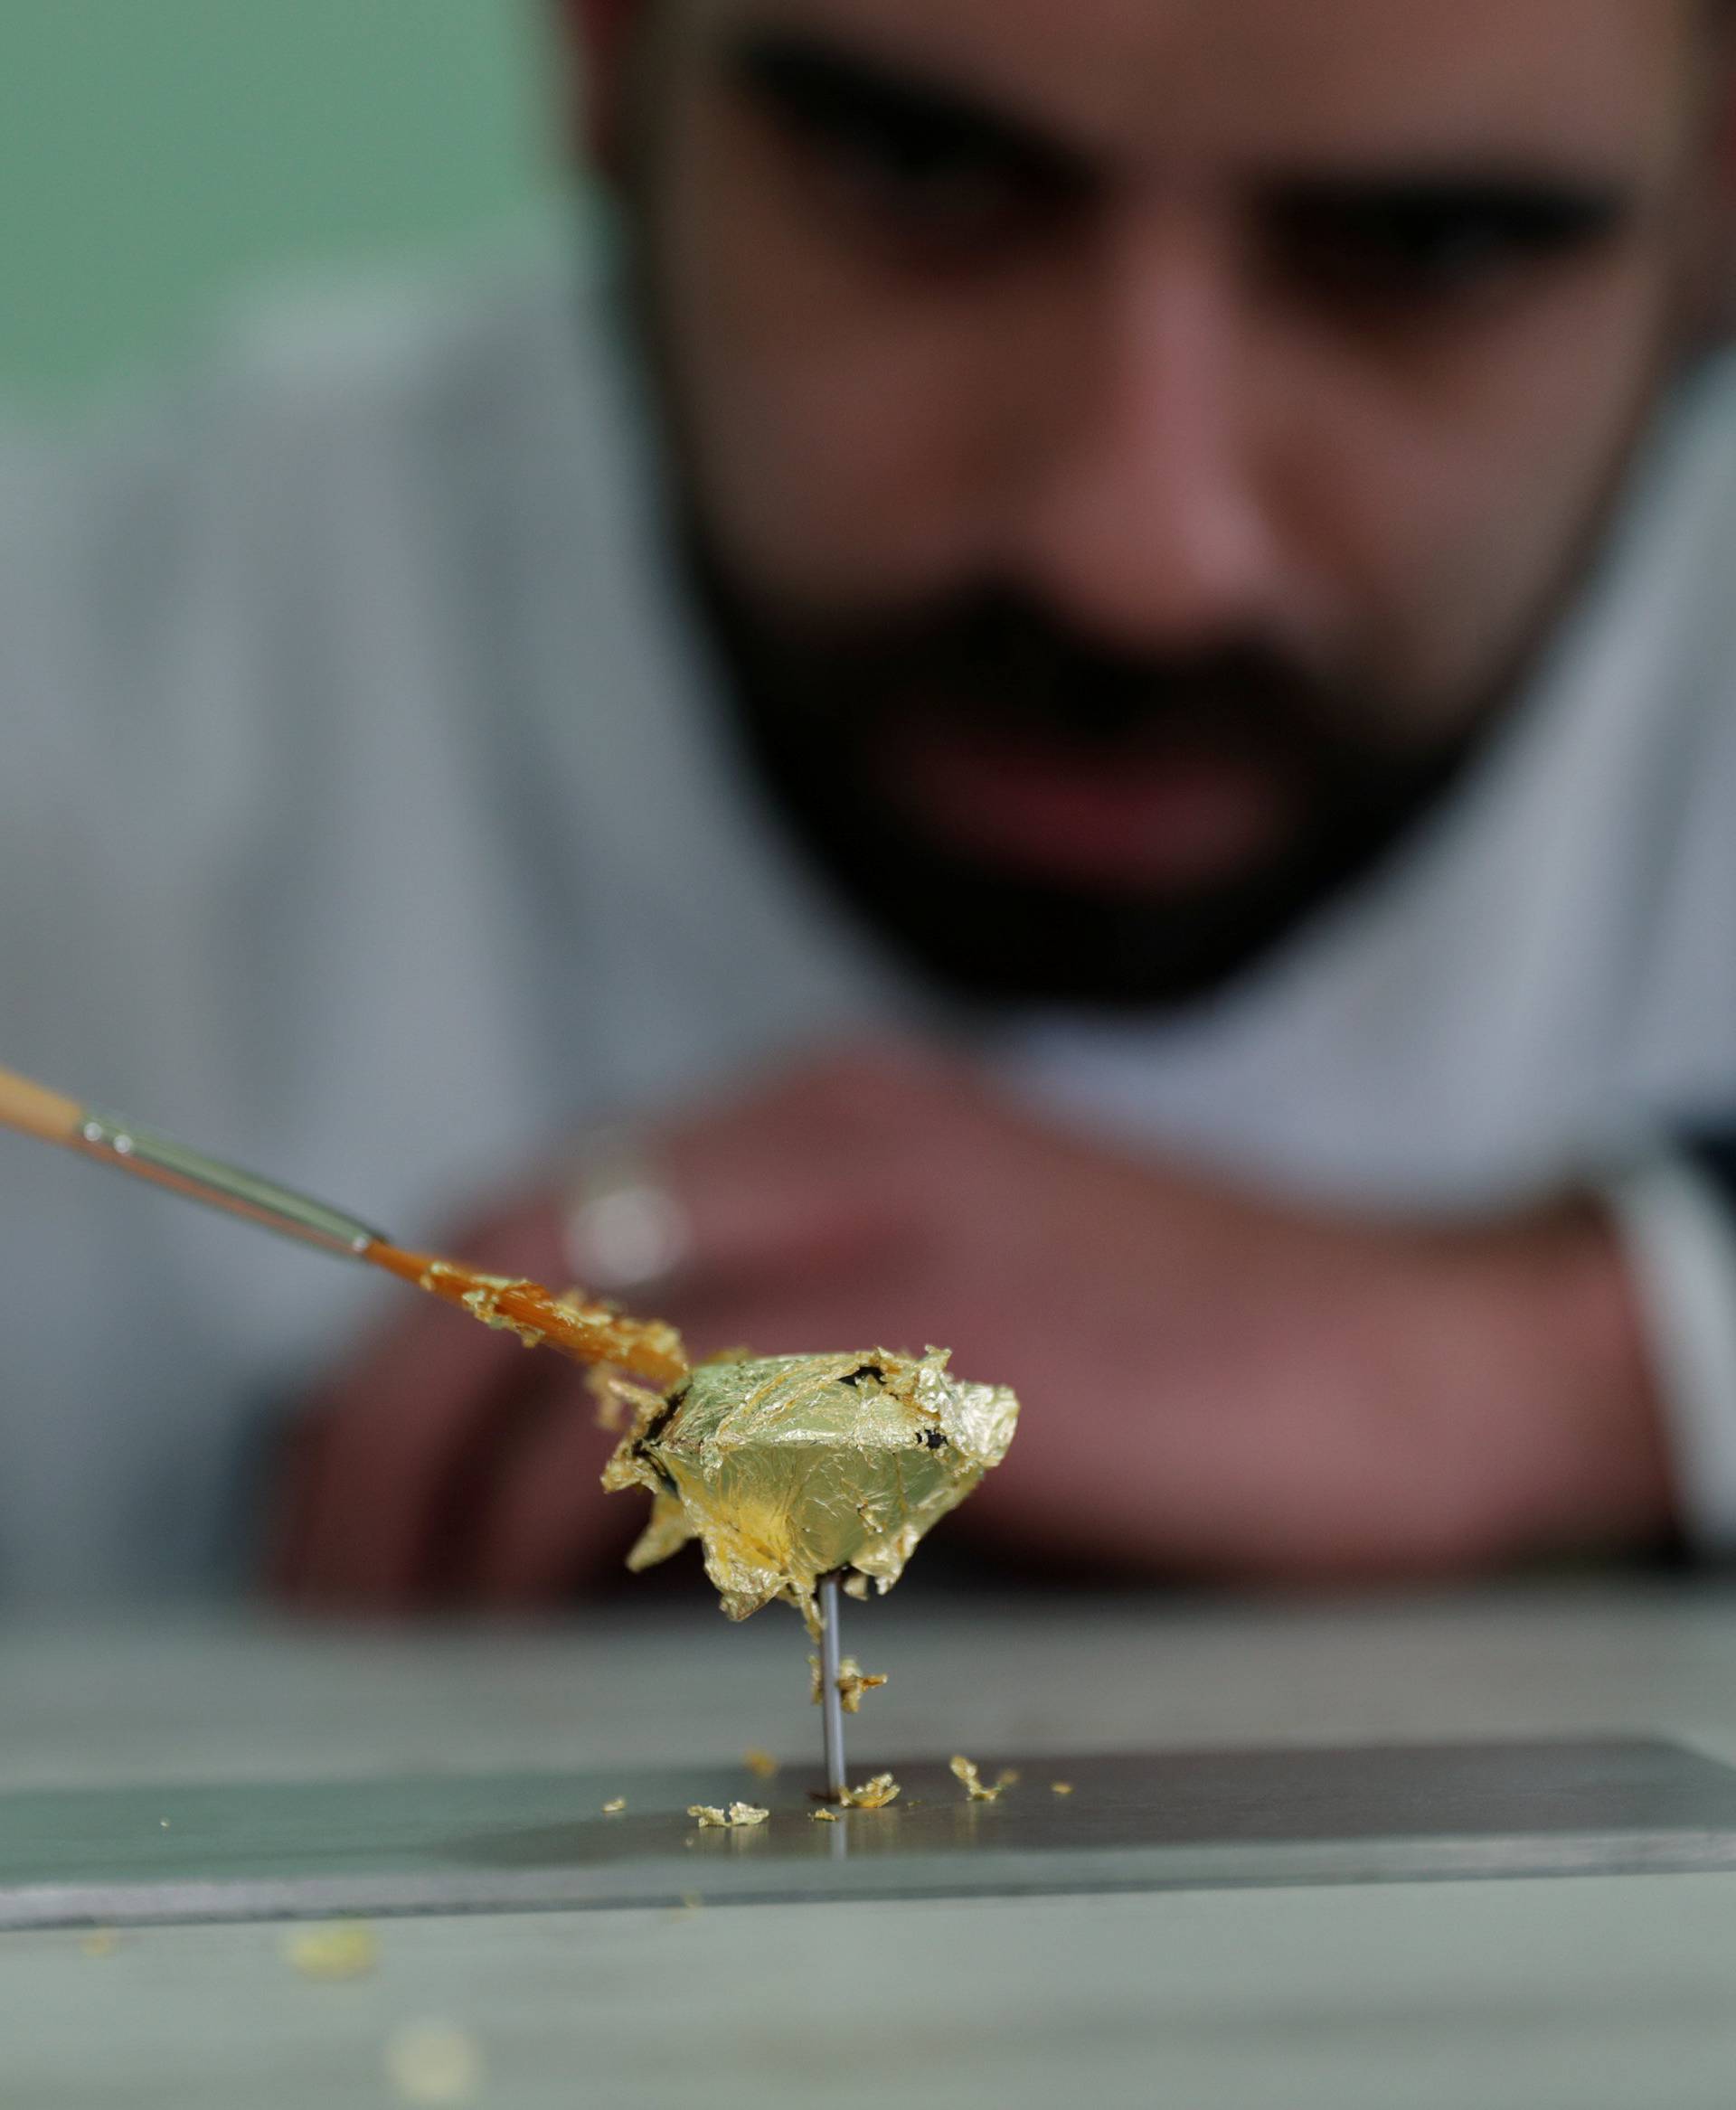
point(1168, 818)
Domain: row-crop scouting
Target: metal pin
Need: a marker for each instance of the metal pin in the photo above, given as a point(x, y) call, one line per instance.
point(831, 1699)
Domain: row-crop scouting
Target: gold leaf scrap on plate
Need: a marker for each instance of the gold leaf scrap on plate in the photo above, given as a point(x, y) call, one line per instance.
point(873, 1795)
point(434, 2062)
point(738, 1817)
point(976, 1786)
point(344, 1949)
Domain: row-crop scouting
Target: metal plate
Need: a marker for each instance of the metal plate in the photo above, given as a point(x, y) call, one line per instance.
point(1178, 1820)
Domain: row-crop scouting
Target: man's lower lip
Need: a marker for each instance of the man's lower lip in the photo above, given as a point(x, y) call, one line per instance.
point(1115, 824)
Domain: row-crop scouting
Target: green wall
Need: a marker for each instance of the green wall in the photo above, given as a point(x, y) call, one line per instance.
point(157, 157)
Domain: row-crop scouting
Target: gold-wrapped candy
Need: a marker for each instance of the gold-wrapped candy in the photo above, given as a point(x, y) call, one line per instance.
point(801, 1466)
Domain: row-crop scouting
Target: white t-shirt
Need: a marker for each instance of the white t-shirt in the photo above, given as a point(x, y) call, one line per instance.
point(367, 814)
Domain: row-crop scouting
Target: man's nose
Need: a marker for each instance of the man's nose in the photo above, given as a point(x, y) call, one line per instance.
point(1139, 504)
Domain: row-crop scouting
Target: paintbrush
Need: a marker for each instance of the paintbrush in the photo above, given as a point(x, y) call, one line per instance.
point(590, 1332)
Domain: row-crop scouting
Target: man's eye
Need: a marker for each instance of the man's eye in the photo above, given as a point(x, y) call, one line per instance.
point(909, 165)
point(929, 185)
point(1427, 245)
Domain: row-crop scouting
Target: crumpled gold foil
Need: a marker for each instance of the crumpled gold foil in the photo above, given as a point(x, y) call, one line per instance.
point(799, 1466)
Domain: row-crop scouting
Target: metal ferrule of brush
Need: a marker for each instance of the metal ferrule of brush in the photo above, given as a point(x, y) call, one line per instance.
point(169, 1164)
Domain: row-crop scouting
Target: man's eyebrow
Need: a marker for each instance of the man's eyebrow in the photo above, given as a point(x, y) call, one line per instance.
point(832, 89)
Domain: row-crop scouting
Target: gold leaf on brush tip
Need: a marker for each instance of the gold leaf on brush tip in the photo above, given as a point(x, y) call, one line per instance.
point(597, 1332)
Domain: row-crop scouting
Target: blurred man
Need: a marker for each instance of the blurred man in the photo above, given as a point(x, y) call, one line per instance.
point(1188, 576)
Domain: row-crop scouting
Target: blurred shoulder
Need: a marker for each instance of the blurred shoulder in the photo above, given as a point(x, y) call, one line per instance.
point(306, 390)
point(529, 339)
point(354, 463)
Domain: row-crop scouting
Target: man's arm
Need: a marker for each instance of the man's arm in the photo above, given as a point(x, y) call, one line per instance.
point(1215, 1384)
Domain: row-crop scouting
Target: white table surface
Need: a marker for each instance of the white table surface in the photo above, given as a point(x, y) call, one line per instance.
point(1592, 1992)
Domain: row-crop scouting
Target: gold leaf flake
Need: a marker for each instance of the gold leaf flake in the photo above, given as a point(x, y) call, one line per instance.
point(824, 1817)
point(853, 1682)
point(618, 1399)
point(1060, 1787)
point(615, 1808)
point(761, 1764)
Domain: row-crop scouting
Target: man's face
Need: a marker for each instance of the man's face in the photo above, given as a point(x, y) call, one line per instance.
point(1131, 447)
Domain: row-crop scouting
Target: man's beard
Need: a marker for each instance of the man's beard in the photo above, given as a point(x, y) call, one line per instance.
point(824, 710)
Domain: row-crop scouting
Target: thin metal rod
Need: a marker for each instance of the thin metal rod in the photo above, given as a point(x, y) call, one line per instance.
point(831, 1699)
